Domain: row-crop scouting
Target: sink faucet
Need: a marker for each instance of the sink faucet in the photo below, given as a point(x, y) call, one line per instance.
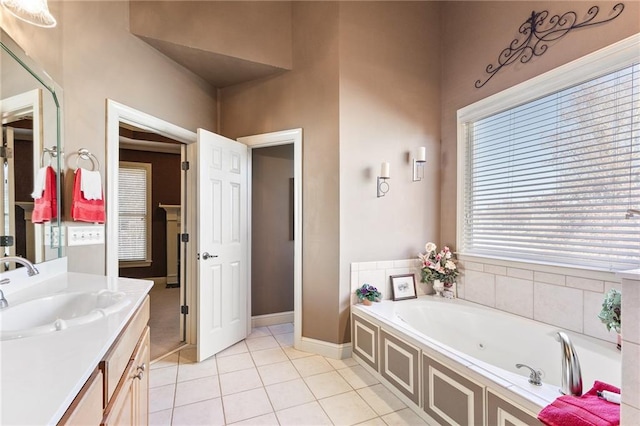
point(571, 374)
point(31, 269)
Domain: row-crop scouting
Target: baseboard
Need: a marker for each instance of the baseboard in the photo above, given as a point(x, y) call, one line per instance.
point(158, 282)
point(320, 347)
point(272, 319)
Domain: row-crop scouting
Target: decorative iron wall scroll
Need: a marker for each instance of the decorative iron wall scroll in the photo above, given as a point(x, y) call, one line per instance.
point(537, 33)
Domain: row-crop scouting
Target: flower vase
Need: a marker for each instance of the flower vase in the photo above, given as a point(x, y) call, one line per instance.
point(438, 287)
point(366, 302)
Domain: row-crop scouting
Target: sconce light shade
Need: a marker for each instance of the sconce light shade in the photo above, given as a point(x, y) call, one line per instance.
point(381, 183)
point(35, 12)
point(418, 164)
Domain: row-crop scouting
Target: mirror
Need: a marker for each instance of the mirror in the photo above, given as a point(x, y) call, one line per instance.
point(30, 103)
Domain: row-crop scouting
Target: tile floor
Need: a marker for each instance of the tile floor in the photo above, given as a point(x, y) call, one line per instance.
point(263, 380)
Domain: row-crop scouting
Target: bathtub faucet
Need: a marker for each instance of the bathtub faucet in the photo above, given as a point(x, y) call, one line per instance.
point(535, 377)
point(571, 374)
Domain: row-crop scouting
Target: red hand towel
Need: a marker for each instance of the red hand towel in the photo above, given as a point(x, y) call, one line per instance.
point(586, 410)
point(45, 208)
point(84, 210)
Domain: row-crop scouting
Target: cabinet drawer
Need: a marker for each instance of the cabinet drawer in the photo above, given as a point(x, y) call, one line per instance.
point(86, 408)
point(117, 359)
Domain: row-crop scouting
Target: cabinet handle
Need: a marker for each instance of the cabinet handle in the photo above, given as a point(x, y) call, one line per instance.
point(142, 367)
point(139, 376)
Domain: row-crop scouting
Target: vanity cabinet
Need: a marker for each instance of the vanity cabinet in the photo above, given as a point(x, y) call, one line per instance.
point(117, 393)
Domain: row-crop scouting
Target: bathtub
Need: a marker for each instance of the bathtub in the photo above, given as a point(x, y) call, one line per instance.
point(485, 345)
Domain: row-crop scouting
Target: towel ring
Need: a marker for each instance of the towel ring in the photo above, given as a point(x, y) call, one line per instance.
point(84, 154)
point(53, 153)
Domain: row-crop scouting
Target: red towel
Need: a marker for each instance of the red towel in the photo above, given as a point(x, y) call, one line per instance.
point(45, 208)
point(586, 410)
point(84, 210)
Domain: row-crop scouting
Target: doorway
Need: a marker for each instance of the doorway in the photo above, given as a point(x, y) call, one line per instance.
point(149, 228)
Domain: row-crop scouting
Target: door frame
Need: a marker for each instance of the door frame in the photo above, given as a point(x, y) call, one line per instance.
point(118, 113)
point(285, 137)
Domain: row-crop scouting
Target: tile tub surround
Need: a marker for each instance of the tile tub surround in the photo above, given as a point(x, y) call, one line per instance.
point(247, 384)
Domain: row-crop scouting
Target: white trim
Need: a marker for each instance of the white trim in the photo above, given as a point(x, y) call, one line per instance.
point(608, 59)
point(284, 137)
point(116, 114)
point(320, 347)
point(272, 319)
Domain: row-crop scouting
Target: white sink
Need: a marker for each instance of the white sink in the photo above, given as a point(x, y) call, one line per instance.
point(58, 312)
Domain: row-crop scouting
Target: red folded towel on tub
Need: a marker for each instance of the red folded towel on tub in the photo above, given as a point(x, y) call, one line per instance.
point(585, 410)
point(45, 206)
point(82, 209)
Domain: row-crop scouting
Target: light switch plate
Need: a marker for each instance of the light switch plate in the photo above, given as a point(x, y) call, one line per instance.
point(85, 235)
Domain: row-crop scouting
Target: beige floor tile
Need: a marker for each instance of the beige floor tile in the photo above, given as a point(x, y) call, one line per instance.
point(403, 418)
point(239, 381)
point(281, 328)
point(161, 398)
point(357, 377)
point(246, 405)
point(238, 348)
point(197, 390)
point(259, 332)
point(381, 399)
point(163, 376)
point(261, 343)
point(289, 394)
point(207, 412)
point(285, 339)
point(264, 420)
point(347, 409)
point(373, 422)
point(197, 370)
point(293, 353)
point(269, 356)
point(231, 363)
point(167, 361)
point(327, 384)
point(312, 365)
point(277, 373)
point(161, 418)
point(310, 414)
point(341, 363)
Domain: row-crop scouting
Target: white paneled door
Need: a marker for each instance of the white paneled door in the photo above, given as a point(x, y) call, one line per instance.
point(221, 243)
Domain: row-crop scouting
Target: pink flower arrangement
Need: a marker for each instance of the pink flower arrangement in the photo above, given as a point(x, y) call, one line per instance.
point(438, 265)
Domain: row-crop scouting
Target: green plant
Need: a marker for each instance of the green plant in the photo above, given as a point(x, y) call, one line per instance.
point(368, 292)
point(611, 313)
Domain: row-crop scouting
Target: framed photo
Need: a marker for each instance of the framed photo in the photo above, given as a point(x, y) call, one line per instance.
point(403, 286)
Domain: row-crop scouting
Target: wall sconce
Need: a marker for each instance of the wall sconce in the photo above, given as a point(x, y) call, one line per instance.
point(382, 184)
point(35, 12)
point(418, 164)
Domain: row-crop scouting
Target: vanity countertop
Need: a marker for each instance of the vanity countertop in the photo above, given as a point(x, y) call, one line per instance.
point(41, 375)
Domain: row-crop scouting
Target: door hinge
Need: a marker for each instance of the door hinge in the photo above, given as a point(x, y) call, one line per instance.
point(185, 165)
point(6, 240)
point(184, 309)
point(6, 152)
point(184, 238)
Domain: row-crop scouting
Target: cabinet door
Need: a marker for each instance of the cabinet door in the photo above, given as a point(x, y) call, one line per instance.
point(121, 409)
point(141, 379)
point(86, 409)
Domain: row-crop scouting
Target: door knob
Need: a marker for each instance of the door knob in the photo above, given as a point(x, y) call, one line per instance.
point(206, 255)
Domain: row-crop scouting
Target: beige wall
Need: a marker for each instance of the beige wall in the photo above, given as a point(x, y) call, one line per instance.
point(272, 248)
point(305, 97)
point(100, 59)
point(389, 107)
point(257, 31)
point(474, 33)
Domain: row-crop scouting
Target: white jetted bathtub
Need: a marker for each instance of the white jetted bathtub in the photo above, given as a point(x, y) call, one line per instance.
point(442, 354)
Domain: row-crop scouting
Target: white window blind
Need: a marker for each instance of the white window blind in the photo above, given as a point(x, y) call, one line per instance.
point(551, 180)
point(134, 183)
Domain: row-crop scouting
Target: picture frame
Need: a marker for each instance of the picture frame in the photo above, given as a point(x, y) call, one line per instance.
point(403, 287)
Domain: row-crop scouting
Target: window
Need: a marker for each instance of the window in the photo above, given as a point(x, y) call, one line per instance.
point(134, 216)
point(550, 179)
